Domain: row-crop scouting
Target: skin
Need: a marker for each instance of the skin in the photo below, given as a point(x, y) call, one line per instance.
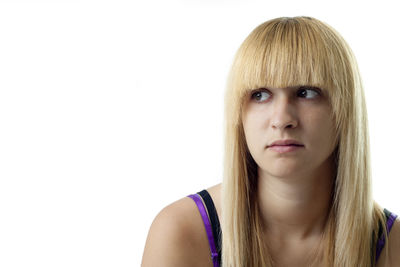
point(294, 187)
point(293, 193)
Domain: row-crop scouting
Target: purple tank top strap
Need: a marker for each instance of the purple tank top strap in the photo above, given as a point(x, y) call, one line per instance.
point(207, 225)
point(381, 241)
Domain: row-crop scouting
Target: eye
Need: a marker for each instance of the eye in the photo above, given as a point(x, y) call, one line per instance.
point(308, 92)
point(260, 95)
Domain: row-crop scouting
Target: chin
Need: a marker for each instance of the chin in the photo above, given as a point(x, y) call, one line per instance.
point(282, 169)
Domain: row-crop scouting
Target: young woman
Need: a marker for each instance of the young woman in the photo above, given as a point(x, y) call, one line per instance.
point(296, 189)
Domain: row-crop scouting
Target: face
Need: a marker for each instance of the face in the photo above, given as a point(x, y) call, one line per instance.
point(298, 113)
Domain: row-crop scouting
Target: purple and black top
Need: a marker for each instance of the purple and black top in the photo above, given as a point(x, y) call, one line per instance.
point(206, 206)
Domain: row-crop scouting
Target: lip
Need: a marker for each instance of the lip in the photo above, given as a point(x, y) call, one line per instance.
point(286, 142)
point(285, 149)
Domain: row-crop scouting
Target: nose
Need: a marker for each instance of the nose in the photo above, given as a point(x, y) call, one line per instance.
point(284, 114)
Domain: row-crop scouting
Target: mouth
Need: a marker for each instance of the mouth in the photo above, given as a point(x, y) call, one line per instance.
point(289, 145)
point(285, 145)
point(286, 142)
point(285, 148)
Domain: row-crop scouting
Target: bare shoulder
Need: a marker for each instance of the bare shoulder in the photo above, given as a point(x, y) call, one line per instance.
point(177, 237)
point(392, 248)
point(394, 244)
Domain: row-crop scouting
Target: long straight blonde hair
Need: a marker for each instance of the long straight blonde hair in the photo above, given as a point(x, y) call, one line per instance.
point(287, 52)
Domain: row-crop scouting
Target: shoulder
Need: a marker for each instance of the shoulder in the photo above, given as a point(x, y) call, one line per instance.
point(391, 248)
point(394, 243)
point(177, 237)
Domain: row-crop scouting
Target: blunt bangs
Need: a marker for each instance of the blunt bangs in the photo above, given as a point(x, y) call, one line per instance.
point(288, 52)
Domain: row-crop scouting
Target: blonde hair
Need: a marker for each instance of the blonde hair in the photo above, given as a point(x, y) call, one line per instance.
point(287, 52)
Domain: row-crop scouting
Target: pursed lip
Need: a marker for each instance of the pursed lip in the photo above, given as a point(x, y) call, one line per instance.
point(285, 142)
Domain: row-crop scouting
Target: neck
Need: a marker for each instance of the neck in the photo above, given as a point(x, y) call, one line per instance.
point(295, 207)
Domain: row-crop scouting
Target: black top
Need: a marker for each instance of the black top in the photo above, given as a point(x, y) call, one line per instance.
point(212, 213)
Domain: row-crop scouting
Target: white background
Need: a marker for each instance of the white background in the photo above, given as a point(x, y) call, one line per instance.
point(111, 110)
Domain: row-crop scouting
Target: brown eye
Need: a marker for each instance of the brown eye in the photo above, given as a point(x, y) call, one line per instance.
point(260, 96)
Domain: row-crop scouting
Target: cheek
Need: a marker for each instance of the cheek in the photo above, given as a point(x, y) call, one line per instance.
point(321, 131)
point(254, 132)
